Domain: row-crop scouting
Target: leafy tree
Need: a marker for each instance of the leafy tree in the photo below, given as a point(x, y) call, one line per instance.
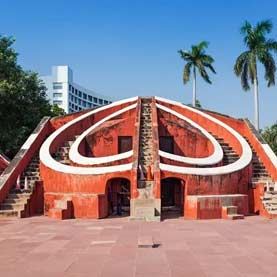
point(56, 110)
point(196, 58)
point(270, 135)
point(259, 49)
point(198, 104)
point(22, 100)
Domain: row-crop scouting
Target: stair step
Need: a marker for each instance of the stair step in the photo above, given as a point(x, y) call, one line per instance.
point(9, 213)
point(231, 210)
point(236, 216)
point(14, 200)
point(15, 206)
point(18, 195)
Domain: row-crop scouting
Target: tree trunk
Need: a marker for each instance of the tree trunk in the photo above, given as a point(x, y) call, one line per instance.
point(256, 105)
point(194, 88)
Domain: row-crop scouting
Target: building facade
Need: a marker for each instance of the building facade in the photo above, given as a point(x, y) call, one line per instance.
point(146, 157)
point(64, 92)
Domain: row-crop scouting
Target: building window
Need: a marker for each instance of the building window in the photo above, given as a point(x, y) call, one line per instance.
point(95, 100)
point(124, 144)
point(84, 96)
point(80, 94)
point(57, 94)
point(106, 102)
point(84, 104)
point(100, 101)
point(79, 102)
point(89, 105)
point(167, 144)
point(57, 85)
point(69, 87)
point(90, 98)
point(57, 102)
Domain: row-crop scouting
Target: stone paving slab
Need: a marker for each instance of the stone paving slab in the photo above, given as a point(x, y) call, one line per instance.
point(40, 246)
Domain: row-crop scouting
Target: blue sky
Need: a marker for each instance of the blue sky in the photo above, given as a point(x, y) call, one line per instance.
point(125, 48)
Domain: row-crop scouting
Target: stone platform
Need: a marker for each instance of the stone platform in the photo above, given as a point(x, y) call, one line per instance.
point(40, 246)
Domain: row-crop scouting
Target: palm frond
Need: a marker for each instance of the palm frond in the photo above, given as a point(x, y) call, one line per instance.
point(202, 45)
point(210, 67)
point(244, 76)
point(263, 27)
point(241, 59)
point(203, 72)
point(207, 59)
point(194, 50)
point(186, 73)
point(270, 68)
point(271, 44)
point(246, 28)
point(186, 55)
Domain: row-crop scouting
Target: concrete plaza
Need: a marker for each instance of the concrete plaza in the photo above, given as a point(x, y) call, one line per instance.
point(40, 246)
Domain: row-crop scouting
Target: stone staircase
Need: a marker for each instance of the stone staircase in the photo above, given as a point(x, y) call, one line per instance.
point(16, 202)
point(63, 209)
point(231, 212)
point(145, 146)
point(260, 175)
point(144, 207)
point(62, 155)
point(269, 200)
point(259, 171)
point(230, 156)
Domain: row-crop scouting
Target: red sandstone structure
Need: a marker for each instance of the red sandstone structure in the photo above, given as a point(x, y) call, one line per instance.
point(4, 162)
point(145, 156)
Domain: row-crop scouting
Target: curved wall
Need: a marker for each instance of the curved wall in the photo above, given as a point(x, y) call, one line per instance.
point(197, 158)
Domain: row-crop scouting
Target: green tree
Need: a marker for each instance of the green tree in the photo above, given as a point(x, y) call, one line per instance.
point(22, 100)
point(196, 58)
point(198, 104)
point(259, 48)
point(270, 135)
point(56, 110)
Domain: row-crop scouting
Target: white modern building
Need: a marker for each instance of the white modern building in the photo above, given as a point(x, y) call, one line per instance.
point(61, 90)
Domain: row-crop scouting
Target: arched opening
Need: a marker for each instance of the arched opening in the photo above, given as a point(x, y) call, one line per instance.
point(118, 196)
point(172, 197)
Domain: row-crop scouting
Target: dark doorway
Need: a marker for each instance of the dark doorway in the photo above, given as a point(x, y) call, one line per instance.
point(118, 194)
point(124, 144)
point(167, 144)
point(172, 197)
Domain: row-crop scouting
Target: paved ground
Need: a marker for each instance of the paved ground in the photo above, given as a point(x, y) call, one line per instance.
point(40, 246)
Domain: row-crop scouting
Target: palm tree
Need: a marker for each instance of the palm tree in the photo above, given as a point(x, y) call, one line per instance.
point(196, 58)
point(259, 49)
